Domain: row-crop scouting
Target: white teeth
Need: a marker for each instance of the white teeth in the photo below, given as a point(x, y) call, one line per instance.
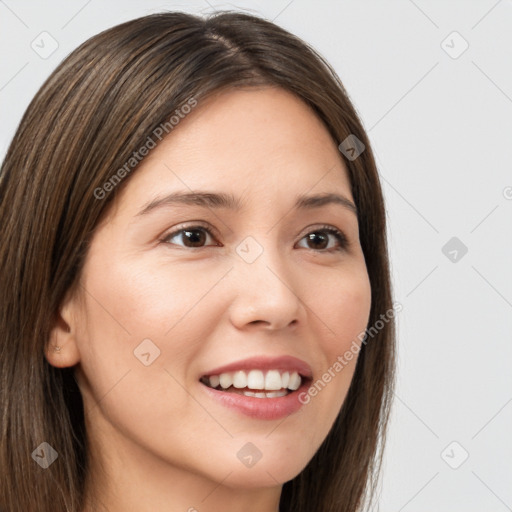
point(273, 380)
point(240, 379)
point(225, 380)
point(274, 394)
point(259, 394)
point(255, 380)
point(294, 381)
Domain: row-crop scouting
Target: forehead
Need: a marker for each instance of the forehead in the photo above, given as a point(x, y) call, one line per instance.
point(258, 142)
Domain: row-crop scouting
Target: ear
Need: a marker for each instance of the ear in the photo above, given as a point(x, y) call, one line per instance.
point(62, 349)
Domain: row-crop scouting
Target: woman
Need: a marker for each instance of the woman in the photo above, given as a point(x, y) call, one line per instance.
point(194, 254)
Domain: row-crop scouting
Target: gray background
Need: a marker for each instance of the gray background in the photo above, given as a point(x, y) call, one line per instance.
point(440, 121)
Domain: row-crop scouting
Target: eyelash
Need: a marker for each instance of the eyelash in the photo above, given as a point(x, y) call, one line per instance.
point(340, 236)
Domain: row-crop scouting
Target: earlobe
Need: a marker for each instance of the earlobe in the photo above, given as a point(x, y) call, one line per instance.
point(62, 350)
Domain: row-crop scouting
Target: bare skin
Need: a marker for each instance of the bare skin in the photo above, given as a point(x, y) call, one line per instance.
point(159, 442)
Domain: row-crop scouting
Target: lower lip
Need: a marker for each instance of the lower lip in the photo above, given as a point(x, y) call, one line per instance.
point(260, 408)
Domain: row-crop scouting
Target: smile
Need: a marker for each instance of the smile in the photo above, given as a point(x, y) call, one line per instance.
point(255, 383)
point(261, 387)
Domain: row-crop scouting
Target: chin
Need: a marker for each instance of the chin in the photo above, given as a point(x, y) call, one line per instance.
point(263, 476)
point(270, 471)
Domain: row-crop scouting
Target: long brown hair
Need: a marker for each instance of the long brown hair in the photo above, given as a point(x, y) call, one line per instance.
point(98, 107)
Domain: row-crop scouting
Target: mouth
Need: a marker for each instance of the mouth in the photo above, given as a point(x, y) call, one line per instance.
point(260, 387)
point(256, 383)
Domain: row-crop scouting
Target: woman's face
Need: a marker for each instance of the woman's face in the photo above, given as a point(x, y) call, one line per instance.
point(173, 292)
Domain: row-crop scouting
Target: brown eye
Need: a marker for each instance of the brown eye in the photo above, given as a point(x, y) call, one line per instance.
point(191, 237)
point(319, 239)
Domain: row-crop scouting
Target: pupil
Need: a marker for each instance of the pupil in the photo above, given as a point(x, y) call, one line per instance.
point(312, 236)
point(193, 238)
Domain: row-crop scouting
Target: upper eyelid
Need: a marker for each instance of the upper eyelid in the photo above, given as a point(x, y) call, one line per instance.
point(191, 225)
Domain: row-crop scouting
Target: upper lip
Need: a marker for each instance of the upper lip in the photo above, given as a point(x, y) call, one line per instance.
point(285, 363)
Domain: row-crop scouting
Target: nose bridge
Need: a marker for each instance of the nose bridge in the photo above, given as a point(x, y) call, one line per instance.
point(266, 286)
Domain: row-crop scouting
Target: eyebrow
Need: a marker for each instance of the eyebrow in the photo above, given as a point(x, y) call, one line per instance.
point(216, 200)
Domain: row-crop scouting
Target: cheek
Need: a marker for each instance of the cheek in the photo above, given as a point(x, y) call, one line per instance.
point(137, 301)
point(344, 307)
point(139, 335)
point(144, 324)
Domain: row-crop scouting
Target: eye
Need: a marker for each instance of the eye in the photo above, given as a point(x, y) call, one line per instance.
point(192, 236)
point(197, 236)
point(320, 237)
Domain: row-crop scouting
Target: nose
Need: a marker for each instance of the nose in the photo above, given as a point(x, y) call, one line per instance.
point(266, 293)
